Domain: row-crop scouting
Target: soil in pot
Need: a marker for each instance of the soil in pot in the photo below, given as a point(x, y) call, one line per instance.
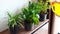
point(14, 30)
point(28, 26)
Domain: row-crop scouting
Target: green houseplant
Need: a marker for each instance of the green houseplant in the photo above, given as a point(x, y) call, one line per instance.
point(43, 12)
point(29, 15)
point(14, 23)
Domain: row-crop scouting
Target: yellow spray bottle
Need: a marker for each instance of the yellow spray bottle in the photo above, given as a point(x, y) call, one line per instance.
point(56, 8)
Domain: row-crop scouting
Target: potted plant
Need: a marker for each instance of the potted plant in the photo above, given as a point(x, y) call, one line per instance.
point(43, 12)
point(14, 23)
point(30, 16)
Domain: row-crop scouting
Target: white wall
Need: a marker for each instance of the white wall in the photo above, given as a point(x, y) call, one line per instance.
point(10, 6)
point(56, 29)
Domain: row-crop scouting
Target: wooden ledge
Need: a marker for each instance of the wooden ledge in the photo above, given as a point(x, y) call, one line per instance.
point(22, 31)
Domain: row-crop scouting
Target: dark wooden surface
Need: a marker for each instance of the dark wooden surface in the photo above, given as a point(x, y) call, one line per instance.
point(51, 21)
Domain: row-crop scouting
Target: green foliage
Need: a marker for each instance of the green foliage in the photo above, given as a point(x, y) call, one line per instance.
point(34, 7)
point(14, 20)
point(30, 13)
point(44, 6)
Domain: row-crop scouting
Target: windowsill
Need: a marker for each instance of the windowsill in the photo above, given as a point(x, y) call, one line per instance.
point(22, 31)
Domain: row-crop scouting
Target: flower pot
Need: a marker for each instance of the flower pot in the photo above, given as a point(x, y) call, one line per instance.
point(43, 17)
point(14, 30)
point(28, 26)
